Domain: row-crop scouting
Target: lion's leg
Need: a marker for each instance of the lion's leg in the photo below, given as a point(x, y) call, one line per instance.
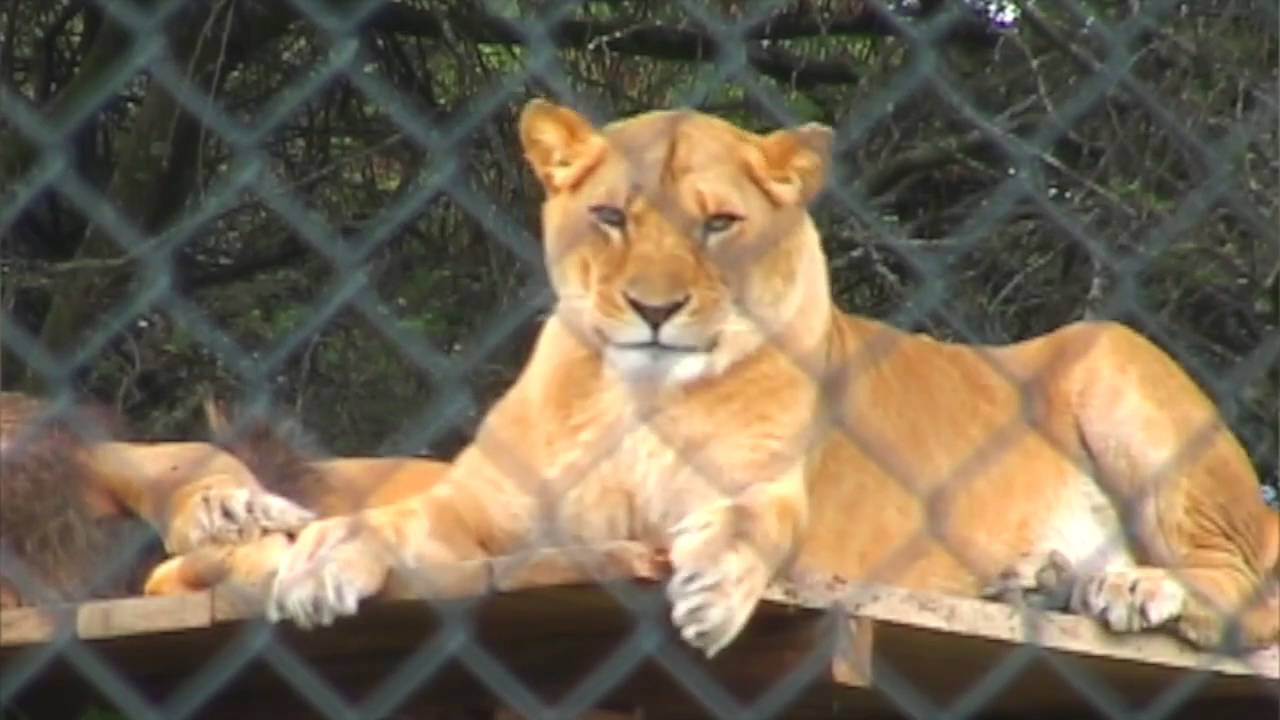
point(345, 485)
point(725, 554)
point(192, 493)
point(1133, 599)
point(337, 562)
point(1190, 600)
point(1187, 492)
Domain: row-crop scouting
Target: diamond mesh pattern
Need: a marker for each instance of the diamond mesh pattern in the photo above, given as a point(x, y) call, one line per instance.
point(318, 208)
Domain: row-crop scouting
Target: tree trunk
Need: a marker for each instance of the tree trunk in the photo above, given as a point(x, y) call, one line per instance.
point(156, 167)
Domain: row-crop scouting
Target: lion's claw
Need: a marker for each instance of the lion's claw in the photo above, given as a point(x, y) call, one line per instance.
point(325, 575)
point(717, 581)
point(1131, 599)
point(232, 513)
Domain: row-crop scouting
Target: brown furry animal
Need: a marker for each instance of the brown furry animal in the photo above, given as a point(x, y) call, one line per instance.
point(328, 487)
point(52, 528)
point(74, 499)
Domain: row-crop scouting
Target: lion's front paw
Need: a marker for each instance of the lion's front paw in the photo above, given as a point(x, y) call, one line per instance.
point(223, 510)
point(717, 580)
point(1131, 599)
point(333, 565)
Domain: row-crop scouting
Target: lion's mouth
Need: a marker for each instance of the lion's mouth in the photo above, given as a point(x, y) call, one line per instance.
point(655, 346)
point(649, 361)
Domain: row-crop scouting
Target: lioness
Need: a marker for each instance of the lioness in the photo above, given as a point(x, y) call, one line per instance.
point(696, 388)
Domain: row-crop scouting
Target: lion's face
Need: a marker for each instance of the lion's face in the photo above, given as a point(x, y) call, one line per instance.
point(677, 243)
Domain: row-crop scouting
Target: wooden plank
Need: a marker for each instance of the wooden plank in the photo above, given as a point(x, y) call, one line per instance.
point(30, 625)
point(955, 615)
point(954, 670)
point(997, 621)
point(551, 638)
point(229, 602)
point(143, 615)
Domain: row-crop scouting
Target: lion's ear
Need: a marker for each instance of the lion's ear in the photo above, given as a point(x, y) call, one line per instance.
point(792, 164)
point(560, 145)
point(215, 417)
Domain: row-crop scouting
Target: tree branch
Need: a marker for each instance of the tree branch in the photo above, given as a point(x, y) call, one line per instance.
point(667, 42)
point(190, 274)
point(287, 251)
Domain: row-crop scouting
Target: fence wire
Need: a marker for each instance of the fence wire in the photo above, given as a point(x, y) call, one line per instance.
point(318, 211)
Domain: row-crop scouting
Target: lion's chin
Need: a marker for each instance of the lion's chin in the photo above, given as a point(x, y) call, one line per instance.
point(658, 365)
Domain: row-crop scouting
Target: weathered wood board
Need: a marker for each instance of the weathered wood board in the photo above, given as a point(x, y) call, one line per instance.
point(541, 637)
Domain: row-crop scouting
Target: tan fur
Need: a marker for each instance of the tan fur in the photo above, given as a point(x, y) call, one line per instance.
point(50, 529)
point(67, 485)
point(327, 487)
point(336, 486)
point(773, 428)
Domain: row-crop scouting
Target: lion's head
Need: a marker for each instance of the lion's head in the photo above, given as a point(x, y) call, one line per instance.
point(677, 243)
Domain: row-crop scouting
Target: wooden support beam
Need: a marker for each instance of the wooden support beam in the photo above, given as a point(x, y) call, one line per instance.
point(576, 637)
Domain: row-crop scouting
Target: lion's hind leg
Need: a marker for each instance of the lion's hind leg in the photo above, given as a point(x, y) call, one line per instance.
point(1207, 544)
point(1187, 599)
point(1130, 599)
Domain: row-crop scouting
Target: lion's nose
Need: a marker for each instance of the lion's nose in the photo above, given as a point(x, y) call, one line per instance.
point(655, 315)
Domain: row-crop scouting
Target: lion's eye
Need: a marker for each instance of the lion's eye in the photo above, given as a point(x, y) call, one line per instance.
point(718, 223)
point(609, 216)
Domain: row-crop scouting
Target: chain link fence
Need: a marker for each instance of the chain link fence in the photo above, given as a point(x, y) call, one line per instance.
point(319, 211)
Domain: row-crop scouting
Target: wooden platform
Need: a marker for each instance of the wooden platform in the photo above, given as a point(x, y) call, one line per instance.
point(558, 651)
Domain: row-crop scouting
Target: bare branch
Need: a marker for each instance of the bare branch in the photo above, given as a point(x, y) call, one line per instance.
point(667, 42)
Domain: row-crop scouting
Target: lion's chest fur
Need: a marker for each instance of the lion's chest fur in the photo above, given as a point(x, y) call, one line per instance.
point(638, 480)
point(638, 486)
point(626, 468)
